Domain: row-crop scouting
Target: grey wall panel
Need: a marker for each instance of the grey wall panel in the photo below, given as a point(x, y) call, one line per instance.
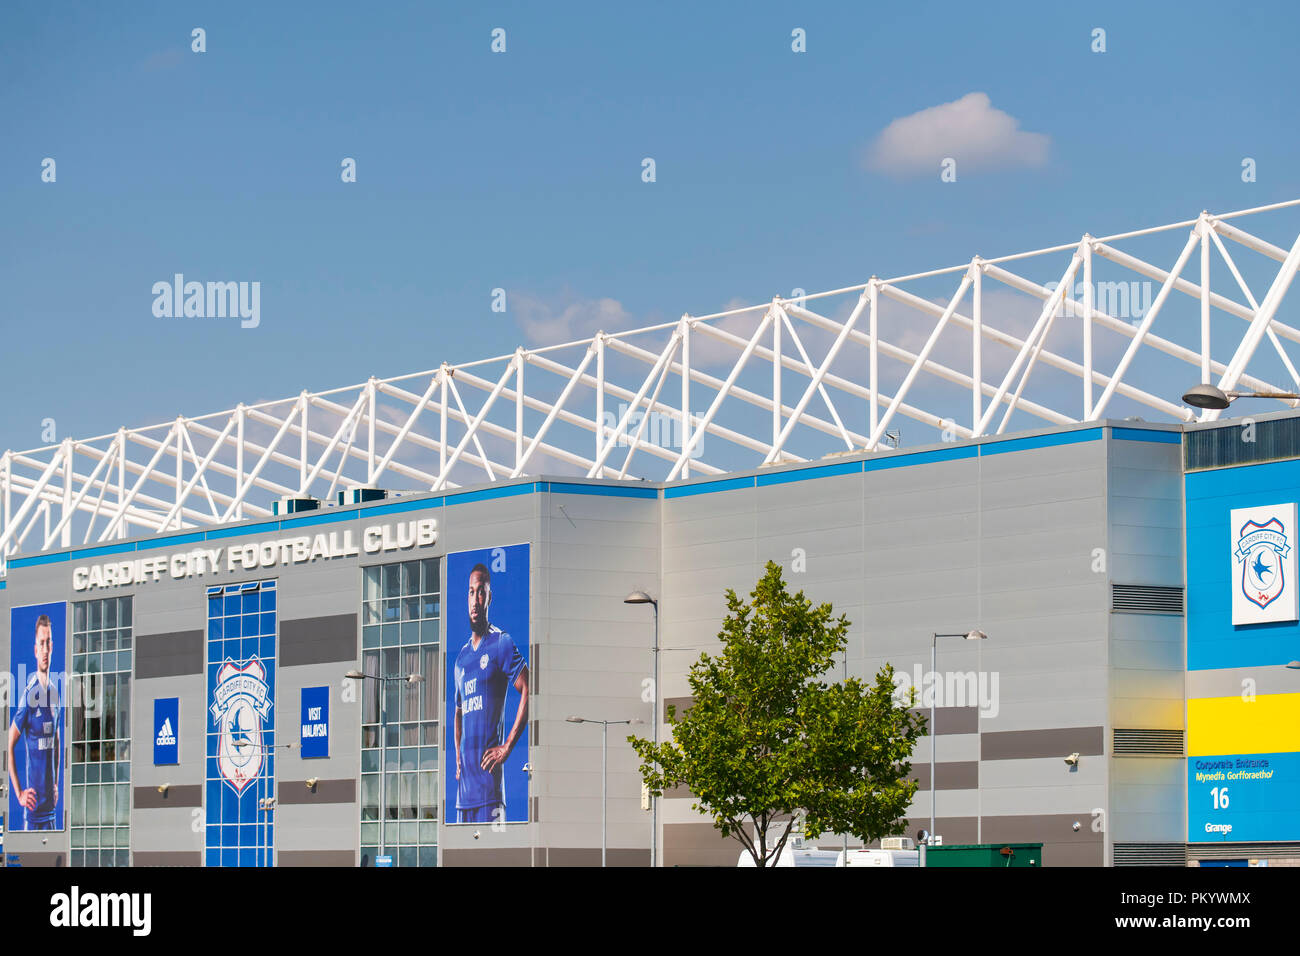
point(168, 655)
point(167, 858)
point(698, 844)
point(176, 795)
point(316, 858)
point(1053, 742)
point(1061, 845)
point(318, 640)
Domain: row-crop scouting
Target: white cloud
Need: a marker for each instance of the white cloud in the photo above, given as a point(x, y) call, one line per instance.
point(968, 130)
point(554, 322)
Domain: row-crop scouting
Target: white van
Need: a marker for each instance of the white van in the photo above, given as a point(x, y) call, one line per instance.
point(861, 857)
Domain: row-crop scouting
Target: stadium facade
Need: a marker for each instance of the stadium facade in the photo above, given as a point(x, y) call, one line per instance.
point(1073, 549)
point(256, 655)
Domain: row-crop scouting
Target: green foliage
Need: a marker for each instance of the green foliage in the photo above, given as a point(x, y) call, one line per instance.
point(767, 739)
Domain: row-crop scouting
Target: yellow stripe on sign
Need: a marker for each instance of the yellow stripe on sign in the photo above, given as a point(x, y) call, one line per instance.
point(1270, 723)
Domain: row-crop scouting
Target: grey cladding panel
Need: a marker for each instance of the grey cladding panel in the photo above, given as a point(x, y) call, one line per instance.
point(318, 640)
point(168, 655)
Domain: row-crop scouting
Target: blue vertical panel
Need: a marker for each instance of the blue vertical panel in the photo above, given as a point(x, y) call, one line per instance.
point(241, 740)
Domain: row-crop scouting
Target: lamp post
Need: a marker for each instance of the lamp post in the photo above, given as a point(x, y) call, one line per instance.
point(604, 778)
point(384, 680)
point(640, 597)
point(934, 736)
point(1208, 396)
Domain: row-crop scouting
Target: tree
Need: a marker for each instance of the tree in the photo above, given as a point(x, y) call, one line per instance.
point(766, 739)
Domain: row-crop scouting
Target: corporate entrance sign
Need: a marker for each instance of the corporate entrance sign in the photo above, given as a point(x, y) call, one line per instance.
point(258, 555)
point(1263, 576)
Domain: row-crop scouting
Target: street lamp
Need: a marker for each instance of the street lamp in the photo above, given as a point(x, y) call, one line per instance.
point(604, 777)
point(1209, 396)
point(640, 597)
point(934, 736)
point(383, 733)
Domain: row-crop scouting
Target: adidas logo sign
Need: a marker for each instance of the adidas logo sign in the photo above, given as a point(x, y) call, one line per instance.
point(166, 736)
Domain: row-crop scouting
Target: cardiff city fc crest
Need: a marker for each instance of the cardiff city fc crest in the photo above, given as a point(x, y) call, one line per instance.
point(241, 705)
point(1261, 551)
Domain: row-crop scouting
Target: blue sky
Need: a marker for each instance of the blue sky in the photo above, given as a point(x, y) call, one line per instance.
point(522, 170)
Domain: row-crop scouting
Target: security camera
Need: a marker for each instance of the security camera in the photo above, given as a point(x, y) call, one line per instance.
point(1076, 826)
point(528, 768)
point(1073, 759)
point(475, 834)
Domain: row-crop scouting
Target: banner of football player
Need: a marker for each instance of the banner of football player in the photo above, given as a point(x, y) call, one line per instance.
point(487, 685)
point(36, 739)
point(1263, 564)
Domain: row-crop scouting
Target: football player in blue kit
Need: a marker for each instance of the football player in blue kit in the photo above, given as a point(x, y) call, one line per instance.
point(36, 725)
point(486, 667)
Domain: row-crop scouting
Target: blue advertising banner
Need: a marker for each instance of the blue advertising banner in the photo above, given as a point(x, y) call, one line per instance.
point(487, 611)
point(166, 730)
point(315, 740)
point(1248, 798)
point(37, 743)
point(240, 776)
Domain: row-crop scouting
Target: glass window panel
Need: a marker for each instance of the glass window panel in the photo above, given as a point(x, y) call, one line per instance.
point(370, 791)
point(391, 580)
point(94, 640)
point(369, 761)
point(78, 839)
point(123, 750)
point(92, 773)
point(408, 832)
point(370, 584)
point(391, 795)
point(429, 689)
point(78, 774)
point(430, 576)
point(78, 805)
point(429, 733)
point(79, 616)
point(109, 750)
point(392, 661)
point(123, 802)
point(431, 607)
point(428, 830)
point(109, 642)
point(392, 635)
point(110, 706)
point(410, 577)
point(410, 608)
point(123, 705)
point(124, 612)
point(410, 758)
point(392, 756)
point(428, 856)
point(410, 793)
point(78, 643)
point(392, 610)
point(410, 633)
point(428, 759)
point(123, 839)
point(92, 806)
point(78, 753)
point(110, 613)
point(370, 833)
point(410, 735)
point(428, 783)
point(408, 856)
point(370, 636)
point(371, 613)
point(370, 736)
point(96, 620)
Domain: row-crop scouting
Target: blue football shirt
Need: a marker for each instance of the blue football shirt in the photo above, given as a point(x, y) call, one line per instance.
point(37, 720)
point(483, 675)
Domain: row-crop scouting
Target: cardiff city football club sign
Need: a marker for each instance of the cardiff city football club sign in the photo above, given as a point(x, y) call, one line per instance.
point(1263, 564)
point(241, 703)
